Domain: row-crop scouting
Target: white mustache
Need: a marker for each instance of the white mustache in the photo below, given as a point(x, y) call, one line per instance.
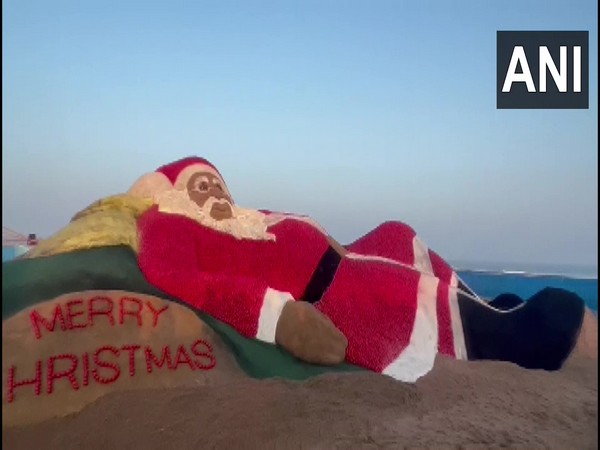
point(244, 223)
point(217, 201)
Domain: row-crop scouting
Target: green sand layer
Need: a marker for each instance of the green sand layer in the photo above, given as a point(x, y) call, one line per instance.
point(31, 281)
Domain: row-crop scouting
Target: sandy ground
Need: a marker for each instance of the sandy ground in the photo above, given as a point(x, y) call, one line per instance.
point(458, 405)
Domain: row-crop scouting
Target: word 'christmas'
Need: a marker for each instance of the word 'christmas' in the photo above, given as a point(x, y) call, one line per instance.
point(105, 365)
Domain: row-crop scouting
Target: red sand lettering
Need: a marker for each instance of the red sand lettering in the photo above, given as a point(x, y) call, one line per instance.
point(74, 317)
point(156, 313)
point(92, 311)
point(12, 384)
point(86, 369)
point(183, 358)
point(137, 312)
point(131, 349)
point(206, 354)
point(69, 373)
point(151, 358)
point(105, 366)
point(72, 314)
point(37, 319)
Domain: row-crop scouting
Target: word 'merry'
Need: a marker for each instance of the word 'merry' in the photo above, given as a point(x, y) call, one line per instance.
point(75, 314)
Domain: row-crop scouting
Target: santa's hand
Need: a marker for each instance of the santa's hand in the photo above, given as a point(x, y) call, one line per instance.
point(310, 335)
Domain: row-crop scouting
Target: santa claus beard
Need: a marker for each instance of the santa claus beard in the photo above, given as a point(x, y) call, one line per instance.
point(245, 223)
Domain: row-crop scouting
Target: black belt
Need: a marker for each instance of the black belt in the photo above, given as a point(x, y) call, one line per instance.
point(322, 276)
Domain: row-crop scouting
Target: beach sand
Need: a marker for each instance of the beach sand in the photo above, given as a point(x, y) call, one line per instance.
point(457, 405)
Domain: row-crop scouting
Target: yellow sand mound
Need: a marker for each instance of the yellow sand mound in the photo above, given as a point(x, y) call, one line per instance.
point(107, 222)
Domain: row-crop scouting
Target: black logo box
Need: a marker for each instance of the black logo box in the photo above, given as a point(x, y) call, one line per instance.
point(519, 97)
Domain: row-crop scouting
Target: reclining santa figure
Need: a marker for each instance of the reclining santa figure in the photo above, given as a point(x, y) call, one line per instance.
point(386, 302)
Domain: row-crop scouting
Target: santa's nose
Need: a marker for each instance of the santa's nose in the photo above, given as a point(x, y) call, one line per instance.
point(218, 194)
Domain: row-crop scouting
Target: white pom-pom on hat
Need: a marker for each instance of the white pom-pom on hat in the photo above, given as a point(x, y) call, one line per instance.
point(150, 185)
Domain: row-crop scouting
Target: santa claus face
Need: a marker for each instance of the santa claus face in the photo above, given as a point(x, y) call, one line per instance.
point(205, 186)
point(198, 192)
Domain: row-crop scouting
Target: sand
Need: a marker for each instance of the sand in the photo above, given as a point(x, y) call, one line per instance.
point(457, 405)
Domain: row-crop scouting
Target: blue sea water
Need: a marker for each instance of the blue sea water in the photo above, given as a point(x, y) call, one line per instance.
point(491, 282)
point(10, 253)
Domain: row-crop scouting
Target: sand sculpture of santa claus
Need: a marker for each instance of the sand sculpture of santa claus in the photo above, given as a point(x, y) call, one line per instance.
point(386, 302)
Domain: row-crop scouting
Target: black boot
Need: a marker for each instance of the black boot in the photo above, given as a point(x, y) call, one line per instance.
point(537, 334)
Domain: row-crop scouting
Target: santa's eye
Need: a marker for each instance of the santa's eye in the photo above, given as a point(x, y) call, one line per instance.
point(203, 186)
point(218, 186)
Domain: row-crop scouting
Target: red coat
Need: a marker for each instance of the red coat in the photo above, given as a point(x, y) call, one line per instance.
point(393, 299)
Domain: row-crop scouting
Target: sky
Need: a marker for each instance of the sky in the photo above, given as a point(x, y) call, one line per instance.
point(353, 112)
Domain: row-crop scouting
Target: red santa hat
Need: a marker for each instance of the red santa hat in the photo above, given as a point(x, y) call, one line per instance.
point(174, 175)
point(180, 171)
